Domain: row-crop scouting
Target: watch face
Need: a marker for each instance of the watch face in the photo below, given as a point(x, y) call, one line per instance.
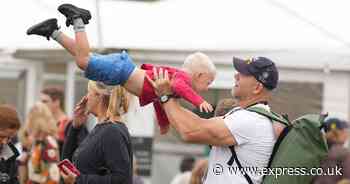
point(164, 98)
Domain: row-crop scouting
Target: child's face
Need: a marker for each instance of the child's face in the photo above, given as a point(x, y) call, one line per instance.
point(201, 81)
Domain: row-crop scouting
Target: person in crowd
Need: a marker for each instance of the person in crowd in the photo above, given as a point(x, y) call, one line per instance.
point(136, 179)
point(26, 142)
point(196, 75)
point(53, 97)
point(248, 134)
point(184, 176)
point(199, 171)
point(337, 132)
point(105, 156)
point(44, 154)
point(336, 167)
point(224, 106)
point(9, 125)
point(200, 168)
point(338, 155)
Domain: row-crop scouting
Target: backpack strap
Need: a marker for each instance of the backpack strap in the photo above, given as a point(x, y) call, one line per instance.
point(274, 117)
point(235, 158)
point(277, 144)
point(271, 115)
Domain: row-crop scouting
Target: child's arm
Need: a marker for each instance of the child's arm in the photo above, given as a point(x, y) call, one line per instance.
point(181, 88)
point(185, 91)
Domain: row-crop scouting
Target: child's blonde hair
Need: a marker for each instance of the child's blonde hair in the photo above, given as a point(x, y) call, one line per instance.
point(41, 119)
point(199, 63)
point(115, 99)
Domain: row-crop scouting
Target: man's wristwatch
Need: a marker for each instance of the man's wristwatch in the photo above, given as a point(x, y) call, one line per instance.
point(165, 98)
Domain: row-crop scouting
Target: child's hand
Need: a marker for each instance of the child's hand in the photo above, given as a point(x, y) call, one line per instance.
point(205, 106)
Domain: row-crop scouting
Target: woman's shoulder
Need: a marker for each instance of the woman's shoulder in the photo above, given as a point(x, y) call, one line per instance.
point(114, 133)
point(113, 128)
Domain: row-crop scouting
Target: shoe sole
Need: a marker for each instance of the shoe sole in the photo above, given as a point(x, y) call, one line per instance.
point(48, 21)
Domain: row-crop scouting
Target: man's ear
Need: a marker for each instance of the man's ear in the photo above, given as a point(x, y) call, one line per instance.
point(259, 88)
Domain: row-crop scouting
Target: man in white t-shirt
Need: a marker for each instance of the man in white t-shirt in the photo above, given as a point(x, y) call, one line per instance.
point(251, 135)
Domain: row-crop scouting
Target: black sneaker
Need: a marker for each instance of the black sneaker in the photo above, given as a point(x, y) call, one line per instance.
point(45, 28)
point(72, 12)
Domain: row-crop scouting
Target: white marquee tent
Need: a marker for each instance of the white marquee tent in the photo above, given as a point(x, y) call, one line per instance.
point(309, 40)
point(299, 35)
point(191, 24)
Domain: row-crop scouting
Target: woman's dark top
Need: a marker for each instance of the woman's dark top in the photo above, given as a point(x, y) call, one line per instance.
point(105, 155)
point(74, 137)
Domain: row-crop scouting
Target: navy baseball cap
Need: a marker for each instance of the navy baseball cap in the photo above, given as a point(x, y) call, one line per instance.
point(263, 69)
point(335, 123)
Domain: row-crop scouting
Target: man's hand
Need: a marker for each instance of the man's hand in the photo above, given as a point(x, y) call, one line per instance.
point(205, 106)
point(80, 116)
point(161, 82)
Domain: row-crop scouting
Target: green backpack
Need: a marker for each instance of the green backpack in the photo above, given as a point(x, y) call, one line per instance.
point(300, 147)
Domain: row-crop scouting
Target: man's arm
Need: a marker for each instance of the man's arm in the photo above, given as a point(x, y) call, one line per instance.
point(194, 129)
point(191, 127)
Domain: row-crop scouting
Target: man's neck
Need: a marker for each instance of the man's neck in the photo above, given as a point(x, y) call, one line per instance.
point(251, 101)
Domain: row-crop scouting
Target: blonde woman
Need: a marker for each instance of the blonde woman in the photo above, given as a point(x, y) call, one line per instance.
point(105, 155)
point(26, 145)
point(44, 154)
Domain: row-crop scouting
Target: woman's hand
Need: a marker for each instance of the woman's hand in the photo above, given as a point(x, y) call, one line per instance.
point(80, 116)
point(70, 177)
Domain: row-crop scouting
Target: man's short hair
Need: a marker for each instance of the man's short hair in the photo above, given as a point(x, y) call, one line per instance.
point(55, 93)
point(9, 117)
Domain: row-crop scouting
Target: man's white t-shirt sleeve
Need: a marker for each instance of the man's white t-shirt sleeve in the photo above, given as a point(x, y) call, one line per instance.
point(241, 126)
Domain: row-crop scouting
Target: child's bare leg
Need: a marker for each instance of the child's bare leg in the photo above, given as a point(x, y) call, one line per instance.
point(78, 17)
point(82, 46)
point(113, 69)
point(67, 42)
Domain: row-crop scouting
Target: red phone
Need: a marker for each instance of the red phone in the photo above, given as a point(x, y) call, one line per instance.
point(68, 165)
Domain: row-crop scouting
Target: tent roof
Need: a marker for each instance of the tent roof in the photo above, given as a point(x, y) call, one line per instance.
point(186, 24)
point(293, 33)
